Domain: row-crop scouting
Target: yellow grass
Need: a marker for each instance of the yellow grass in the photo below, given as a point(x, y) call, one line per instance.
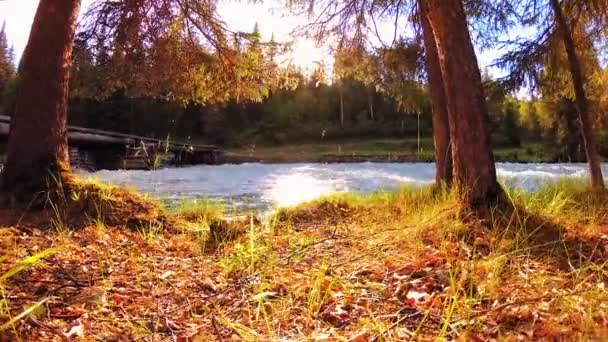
point(388, 267)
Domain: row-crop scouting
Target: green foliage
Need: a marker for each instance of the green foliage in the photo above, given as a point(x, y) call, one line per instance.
point(150, 231)
point(182, 54)
point(394, 71)
point(529, 119)
point(237, 95)
point(7, 71)
point(200, 211)
point(539, 61)
point(559, 118)
point(401, 72)
point(308, 112)
point(250, 255)
point(510, 124)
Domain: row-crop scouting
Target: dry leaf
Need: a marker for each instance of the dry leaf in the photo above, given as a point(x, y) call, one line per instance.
point(77, 330)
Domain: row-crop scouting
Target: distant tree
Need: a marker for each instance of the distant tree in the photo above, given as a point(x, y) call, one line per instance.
point(7, 66)
point(503, 110)
point(400, 74)
point(356, 62)
point(529, 119)
point(564, 29)
point(566, 25)
point(559, 119)
point(338, 79)
point(510, 123)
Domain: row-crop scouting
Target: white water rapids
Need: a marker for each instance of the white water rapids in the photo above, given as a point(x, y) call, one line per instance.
point(261, 187)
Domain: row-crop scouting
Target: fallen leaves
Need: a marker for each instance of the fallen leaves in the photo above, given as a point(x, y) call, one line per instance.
point(103, 291)
point(166, 275)
point(76, 330)
point(326, 283)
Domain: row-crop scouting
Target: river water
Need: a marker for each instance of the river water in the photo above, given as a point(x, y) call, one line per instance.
point(261, 187)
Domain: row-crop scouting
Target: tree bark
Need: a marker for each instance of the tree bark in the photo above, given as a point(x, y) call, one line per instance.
point(473, 160)
point(441, 129)
point(582, 103)
point(37, 156)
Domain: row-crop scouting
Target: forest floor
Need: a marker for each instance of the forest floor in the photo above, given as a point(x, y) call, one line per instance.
point(397, 266)
point(385, 150)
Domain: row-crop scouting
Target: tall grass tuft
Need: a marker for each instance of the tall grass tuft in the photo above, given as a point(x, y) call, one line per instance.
point(21, 266)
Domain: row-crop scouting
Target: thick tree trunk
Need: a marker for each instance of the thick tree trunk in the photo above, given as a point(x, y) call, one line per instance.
point(37, 158)
point(472, 156)
point(441, 128)
point(582, 104)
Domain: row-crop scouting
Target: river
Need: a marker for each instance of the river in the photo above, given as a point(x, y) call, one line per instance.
point(261, 187)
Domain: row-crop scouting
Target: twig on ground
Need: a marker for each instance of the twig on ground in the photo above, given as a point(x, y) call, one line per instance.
point(526, 301)
point(397, 322)
point(48, 328)
point(216, 329)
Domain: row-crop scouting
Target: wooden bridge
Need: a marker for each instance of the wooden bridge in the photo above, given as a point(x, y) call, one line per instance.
point(93, 149)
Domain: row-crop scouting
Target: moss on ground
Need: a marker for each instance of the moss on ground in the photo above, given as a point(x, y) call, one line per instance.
point(387, 266)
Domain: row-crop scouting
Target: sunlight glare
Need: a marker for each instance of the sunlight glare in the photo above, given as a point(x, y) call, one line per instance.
point(297, 188)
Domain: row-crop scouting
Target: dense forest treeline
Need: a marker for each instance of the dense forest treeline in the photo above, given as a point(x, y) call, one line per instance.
point(310, 110)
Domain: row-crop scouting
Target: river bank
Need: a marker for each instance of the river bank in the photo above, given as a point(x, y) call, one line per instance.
point(360, 151)
point(382, 151)
point(382, 267)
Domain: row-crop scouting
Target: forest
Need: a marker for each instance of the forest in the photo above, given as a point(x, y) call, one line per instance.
point(462, 254)
point(386, 98)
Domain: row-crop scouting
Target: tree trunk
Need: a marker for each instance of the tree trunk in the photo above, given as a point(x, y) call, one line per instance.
point(37, 159)
point(441, 129)
point(472, 156)
point(370, 100)
point(582, 104)
point(341, 105)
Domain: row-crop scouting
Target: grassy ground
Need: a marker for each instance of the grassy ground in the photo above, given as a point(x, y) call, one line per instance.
point(383, 267)
point(381, 149)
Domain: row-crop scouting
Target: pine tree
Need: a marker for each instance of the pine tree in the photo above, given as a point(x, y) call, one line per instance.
point(567, 25)
point(474, 171)
point(7, 68)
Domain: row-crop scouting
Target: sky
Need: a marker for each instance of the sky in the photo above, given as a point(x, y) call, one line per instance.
point(239, 16)
point(18, 16)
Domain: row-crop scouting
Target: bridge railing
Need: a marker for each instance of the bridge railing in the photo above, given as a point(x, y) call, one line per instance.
point(91, 135)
